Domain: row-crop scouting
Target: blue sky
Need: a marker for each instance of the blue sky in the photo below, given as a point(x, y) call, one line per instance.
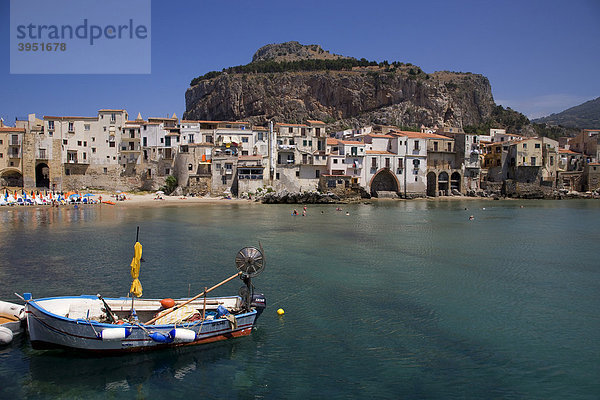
point(540, 56)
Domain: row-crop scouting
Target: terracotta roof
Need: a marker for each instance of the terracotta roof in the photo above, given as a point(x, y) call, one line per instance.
point(568, 151)
point(379, 152)
point(67, 118)
point(259, 128)
point(332, 141)
point(310, 121)
point(281, 124)
point(379, 135)
point(9, 129)
point(420, 135)
point(350, 142)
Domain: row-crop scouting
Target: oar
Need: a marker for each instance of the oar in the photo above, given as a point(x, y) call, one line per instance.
point(175, 307)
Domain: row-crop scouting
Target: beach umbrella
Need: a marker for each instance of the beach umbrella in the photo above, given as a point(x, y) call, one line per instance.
point(136, 286)
point(74, 196)
point(88, 195)
point(160, 192)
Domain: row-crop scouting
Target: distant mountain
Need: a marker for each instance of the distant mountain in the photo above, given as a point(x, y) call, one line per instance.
point(586, 115)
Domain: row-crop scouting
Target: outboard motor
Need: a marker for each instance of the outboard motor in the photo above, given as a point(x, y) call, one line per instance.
point(259, 301)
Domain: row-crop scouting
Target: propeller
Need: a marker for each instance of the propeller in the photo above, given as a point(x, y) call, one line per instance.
point(250, 261)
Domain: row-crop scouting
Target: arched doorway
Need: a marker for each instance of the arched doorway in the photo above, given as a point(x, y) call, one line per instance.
point(431, 184)
point(42, 176)
point(383, 181)
point(12, 178)
point(455, 181)
point(443, 183)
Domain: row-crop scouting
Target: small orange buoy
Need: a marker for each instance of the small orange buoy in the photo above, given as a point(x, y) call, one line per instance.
point(120, 322)
point(167, 303)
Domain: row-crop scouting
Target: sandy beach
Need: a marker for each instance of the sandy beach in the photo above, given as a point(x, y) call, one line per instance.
point(150, 200)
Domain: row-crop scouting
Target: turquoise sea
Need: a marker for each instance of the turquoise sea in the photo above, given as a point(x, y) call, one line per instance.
point(398, 300)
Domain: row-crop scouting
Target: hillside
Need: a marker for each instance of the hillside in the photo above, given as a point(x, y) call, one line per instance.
point(289, 82)
point(586, 115)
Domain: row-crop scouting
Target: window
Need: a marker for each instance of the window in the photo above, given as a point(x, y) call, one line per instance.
point(259, 136)
point(304, 142)
point(387, 162)
point(111, 144)
point(104, 129)
point(93, 150)
point(416, 163)
point(318, 131)
point(310, 143)
point(86, 127)
point(277, 175)
point(290, 130)
point(43, 154)
point(190, 139)
point(244, 152)
point(537, 146)
point(551, 160)
point(1, 155)
point(162, 140)
point(244, 140)
point(113, 117)
point(84, 155)
point(400, 164)
point(373, 162)
point(79, 143)
point(145, 141)
point(93, 139)
point(318, 173)
point(416, 145)
point(71, 128)
point(533, 161)
point(67, 171)
point(190, 167)
point(65, 142)
point(498, 149)
point(498, 162)
point(435, 146)
point(50, 125)
point(297, 173)
point(291, 142)
point(449, 146)
point(335, 160)
point(303, 132)
point(84, 144)
point(167, 171)
point(524, 145)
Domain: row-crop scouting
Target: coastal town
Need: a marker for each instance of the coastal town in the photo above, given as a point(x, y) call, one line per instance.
point(111, 151)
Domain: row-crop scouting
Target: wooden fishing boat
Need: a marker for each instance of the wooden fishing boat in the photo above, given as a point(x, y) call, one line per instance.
point(114, 325)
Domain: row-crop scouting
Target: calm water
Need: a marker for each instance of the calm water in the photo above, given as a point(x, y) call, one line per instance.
point(398, 300)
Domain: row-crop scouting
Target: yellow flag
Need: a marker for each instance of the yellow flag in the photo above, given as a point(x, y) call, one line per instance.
point(136, 286)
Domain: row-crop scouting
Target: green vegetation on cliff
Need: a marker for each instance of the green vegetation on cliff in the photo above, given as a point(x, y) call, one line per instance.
point(341, 64)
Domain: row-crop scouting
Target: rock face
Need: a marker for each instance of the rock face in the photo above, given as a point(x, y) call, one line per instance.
point(401, 96)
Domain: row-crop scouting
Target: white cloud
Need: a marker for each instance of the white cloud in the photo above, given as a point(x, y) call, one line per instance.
point(542, 106)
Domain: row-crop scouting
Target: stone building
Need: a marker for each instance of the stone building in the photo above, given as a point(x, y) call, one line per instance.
point(11, 157)
point(587, 143)
point(299, 162)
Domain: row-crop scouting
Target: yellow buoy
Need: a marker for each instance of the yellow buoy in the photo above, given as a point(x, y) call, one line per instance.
point(280, 311)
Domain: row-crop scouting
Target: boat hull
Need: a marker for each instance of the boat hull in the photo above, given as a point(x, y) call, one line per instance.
point(12, 316)
point(48, 330)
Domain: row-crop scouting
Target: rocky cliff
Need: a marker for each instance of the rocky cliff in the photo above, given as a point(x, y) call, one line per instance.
point(395, 94)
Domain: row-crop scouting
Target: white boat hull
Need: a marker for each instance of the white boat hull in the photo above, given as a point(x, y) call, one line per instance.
point(49, 330)
point(14, 315)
